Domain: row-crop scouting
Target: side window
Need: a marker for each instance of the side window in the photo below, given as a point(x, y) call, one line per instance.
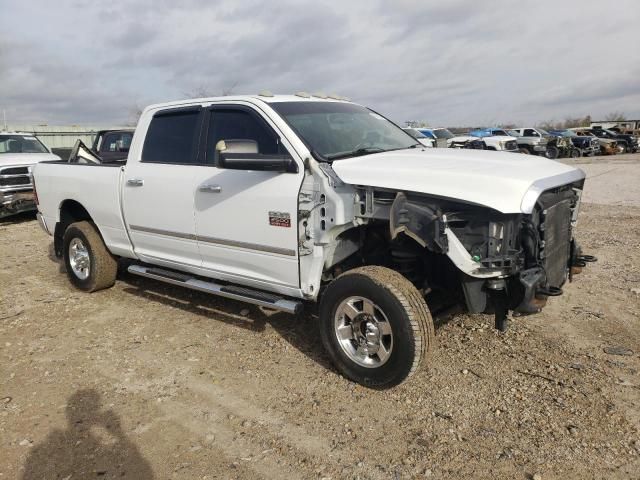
point(530, 132)
point(236, 124)
point(172, 137)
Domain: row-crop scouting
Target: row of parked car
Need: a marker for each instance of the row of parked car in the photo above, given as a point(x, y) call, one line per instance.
point(573, 142)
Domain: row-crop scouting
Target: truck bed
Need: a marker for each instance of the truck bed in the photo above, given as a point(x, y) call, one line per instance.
point(95, 187)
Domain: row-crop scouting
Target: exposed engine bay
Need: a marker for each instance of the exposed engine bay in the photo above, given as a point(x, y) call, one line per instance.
point(489, 261)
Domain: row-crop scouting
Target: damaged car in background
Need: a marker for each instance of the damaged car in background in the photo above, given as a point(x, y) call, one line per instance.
point(282, 200)
point(608, 146)
point(485, 139)
point(18, 153)
point(587, 146)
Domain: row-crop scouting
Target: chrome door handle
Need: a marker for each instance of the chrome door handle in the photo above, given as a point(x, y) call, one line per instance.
point(210, 188)
point(135, 182)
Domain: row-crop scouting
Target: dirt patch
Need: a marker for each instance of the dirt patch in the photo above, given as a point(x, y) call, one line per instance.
point(149, 381)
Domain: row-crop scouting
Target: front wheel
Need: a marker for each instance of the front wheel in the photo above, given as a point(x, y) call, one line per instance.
point(375, 326)
point(90, 266)
point(552, 152)
point(576, 153)
point(622, 148)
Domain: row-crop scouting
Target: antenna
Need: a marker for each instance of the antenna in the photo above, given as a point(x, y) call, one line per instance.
point(4, 116)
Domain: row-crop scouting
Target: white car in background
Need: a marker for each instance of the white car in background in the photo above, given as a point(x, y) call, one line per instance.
point(439, 135)
point(419, 136)
point(18, 153)
point(486, 139)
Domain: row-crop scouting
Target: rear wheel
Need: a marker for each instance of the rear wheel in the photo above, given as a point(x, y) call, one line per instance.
point(622, 148)
point(90, 266)
point(524, 150)
point(375, 326)
point(576, 153)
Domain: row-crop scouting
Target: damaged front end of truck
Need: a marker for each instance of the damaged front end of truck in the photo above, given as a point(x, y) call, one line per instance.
point(506, 262)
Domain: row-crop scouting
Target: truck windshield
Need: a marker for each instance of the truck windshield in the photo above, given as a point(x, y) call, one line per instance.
point(21, 144)
point(337, 130)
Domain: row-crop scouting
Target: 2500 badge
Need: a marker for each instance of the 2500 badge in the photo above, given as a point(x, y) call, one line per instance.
point(280, 219)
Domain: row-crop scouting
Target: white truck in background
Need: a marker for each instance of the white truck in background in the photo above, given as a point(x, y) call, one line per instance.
point(19, 152)
point(281, 200)
point(486, 139)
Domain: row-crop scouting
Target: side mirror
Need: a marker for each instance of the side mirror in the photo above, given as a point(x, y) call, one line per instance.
point(243, 155)
point(237, 146)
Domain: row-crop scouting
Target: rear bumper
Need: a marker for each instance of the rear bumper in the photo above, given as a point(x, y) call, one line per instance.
point(12, 203)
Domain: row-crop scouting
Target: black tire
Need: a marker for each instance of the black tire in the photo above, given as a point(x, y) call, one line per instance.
point(524, 151)
point(552, 152)
point(622, 148)
point(412, 332)
point(103, 267)
point(576, 153)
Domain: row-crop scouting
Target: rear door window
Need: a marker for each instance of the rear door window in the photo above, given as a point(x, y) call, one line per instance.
point(172, 137)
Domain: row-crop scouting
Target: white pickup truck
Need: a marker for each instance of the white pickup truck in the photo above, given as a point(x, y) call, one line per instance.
point(281, 200)
point(18, 153)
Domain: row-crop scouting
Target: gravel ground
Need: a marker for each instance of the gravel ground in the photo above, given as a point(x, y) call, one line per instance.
point(148, 381)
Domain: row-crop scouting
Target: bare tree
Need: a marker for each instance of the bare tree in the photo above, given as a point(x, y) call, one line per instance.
point(569, 122)
point(202, 92)
point(615, 117)
point(416, 123)
point(134, 116)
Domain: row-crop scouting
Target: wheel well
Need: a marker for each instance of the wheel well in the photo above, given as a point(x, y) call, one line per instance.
point(71, 211)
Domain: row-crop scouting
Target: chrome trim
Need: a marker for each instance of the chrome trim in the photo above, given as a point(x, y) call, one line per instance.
point(535, 190)
point(284, 304)
point(166, 233)
point(248, 246)
point(216, 241)
point(43, 223)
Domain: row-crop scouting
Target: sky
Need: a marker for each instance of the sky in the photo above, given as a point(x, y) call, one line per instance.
point(446, 62)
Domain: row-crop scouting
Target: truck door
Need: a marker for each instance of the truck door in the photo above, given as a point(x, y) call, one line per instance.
point(246, 220)
point(158, 190)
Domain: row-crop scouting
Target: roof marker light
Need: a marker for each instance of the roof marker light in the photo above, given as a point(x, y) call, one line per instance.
point(303, 94)
point(320, 95)
point(265, 93)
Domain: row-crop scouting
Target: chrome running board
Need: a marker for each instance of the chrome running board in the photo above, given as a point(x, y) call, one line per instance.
point(243, 294)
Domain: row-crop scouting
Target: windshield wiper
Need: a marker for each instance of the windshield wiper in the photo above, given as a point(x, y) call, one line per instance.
point(355, 153)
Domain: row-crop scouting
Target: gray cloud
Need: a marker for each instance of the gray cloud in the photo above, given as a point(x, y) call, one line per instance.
point(459, 62)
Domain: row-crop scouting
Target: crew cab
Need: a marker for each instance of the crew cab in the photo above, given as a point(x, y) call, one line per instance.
point(18, 153)
point(285, 200)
